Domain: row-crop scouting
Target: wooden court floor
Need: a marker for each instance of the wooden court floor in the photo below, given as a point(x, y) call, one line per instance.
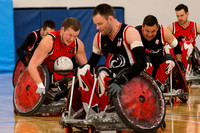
point(180, 118)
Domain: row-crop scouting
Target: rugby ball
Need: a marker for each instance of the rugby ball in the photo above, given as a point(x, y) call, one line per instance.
point(63, 63)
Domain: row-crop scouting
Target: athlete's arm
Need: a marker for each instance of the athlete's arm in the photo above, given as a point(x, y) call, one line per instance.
point(172, 41)
point(80, 56)
point(96, 53)
point(134, 40)
point(29, 41)
point(38, 57)
point(170, 28)
point(198, 28)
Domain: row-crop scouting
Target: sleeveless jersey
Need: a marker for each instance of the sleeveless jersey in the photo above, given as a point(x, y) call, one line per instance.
point(186, 37)
point(59, 49)
point(116, 50)
point(31, 47)
point(155, 46)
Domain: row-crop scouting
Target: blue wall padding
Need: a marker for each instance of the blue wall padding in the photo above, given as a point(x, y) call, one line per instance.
point(27, 20)
point(7, 54)
point(57, 15)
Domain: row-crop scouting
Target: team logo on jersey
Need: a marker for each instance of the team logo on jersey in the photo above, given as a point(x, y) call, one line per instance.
point(117, 61)
point(72, 49)
point(119, 42)
point(157, 41)
point(191, 30)
point(156, 51)
point(105, 45)
point(180, 38)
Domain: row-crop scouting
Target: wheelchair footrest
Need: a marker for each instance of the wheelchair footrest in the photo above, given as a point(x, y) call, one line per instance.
point(192, 78)
point(175, 94)
point(53, 107)
point(101, 121)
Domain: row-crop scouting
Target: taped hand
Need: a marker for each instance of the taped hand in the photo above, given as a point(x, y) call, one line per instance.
point(41, 89)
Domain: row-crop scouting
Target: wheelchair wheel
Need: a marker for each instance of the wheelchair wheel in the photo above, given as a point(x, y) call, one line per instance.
point(19, 67)
point(25, 99)
point(140, 104)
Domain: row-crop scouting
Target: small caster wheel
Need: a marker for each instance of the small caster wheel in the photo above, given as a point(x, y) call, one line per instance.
point(163, 126)
point(69, 129)
point(91, 129)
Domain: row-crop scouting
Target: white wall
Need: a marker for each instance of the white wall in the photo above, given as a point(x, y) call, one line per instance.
point(135, 11)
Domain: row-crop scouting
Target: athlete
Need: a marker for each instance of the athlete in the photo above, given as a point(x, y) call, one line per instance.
point(33, 39)
point(154, 38)
point(63, 42)
point(122, 46)
point(185, 32)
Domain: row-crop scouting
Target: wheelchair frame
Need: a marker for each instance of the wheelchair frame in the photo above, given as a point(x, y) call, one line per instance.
point(104, 121)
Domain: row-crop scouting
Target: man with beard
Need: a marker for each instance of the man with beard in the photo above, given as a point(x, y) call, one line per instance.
point(185, 32)
point(122, 46)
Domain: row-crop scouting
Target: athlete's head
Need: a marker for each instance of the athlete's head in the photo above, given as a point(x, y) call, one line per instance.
point(47, 27)
point(103, 16)
point(150, 27)
point(70, 29)
point(182, 14)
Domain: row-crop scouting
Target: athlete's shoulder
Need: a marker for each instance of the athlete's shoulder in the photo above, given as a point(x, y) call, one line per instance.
point(54, 34)
point(138, 27)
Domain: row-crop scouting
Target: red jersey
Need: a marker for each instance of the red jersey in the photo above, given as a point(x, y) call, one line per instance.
point(186, 37)
point(59, 49)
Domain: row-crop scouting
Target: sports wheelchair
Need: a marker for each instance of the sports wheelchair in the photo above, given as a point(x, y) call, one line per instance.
point(27, 102)
point(175, 86)
point(140, 106)
point(178, 85)
point(192, 74)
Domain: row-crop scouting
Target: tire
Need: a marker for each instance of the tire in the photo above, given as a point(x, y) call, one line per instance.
point(25, 100)
point(140, 104)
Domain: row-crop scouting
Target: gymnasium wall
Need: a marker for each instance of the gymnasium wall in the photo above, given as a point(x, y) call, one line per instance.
point(29, 19)
point(135, 10)
point(6, 36)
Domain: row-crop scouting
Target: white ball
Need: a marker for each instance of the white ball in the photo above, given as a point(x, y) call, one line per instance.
point(63, 63)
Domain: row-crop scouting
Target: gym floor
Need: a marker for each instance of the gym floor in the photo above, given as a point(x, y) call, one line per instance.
point(180, 118)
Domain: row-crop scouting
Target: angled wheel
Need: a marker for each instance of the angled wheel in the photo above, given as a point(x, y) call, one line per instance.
point(25, 99)
point(19, 67)
point(140, 104)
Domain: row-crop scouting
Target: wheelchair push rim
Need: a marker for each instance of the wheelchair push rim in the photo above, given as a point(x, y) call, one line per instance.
point(25, 99)
point(19, 67)
point(140, 104)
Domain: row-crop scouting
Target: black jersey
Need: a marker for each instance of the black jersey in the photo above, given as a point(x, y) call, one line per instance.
point(34, 41)
point(31, 42)
point(155, 46)
point(29, 45)
point(116, 50)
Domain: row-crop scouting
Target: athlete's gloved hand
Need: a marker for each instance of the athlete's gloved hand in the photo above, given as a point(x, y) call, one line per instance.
point(181, 64)
point(41, 89)
point(113, 89)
